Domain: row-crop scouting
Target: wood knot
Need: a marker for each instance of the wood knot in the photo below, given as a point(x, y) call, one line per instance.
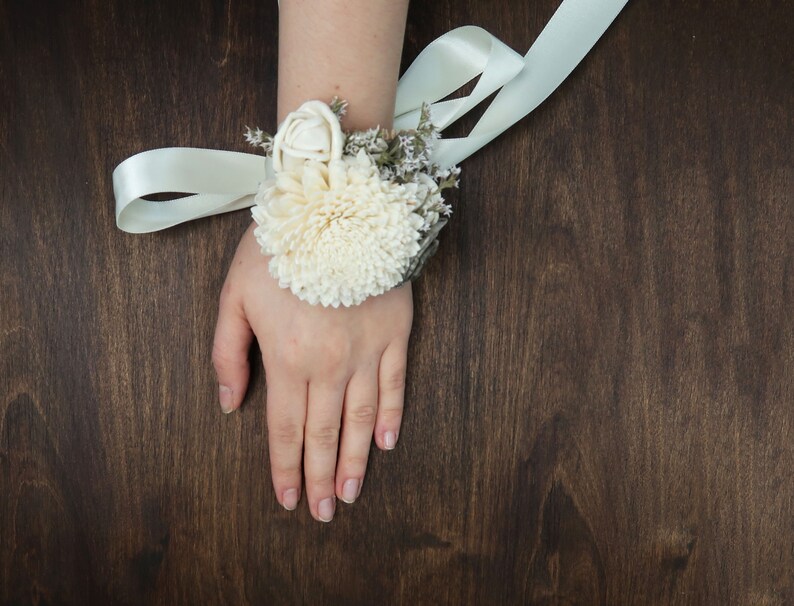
point(676, 546)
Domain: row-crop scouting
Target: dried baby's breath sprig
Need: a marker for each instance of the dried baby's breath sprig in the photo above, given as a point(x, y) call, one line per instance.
point(259, 138)
point(449, 178)
point(402, 155)
point(338, 106)
point(371, 141)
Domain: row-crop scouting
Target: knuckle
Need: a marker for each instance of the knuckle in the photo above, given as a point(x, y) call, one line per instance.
point(284, 471)
point(354, 462)
point(221, 358)
point(394, 380)
point(322, 483)
point(391, 415)
point(288, 433)
point(363, 414)
point(324, 437)
point(334, 353)
point(292, 354)
point(332, 375)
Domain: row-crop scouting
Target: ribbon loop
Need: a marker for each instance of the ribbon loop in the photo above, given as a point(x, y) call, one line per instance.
point(222, 181)
point(448, 63)
point(569, 35)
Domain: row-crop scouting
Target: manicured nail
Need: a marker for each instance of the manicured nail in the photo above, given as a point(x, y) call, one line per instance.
point(225, 394)
point(390, 439)
point(350, 491)
point(325, 510)
point(290, 499)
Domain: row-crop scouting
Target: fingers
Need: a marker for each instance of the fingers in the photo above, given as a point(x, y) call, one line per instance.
point(321, 446)
point(358, 423)
point(391, 394)
point(286, 417)
point(233, 338)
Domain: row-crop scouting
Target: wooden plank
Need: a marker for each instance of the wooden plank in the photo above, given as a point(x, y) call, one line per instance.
point(599, 399)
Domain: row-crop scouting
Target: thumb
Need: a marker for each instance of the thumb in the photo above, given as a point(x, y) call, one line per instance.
point(233, 336)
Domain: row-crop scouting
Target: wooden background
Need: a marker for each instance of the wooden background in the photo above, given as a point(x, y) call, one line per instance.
point(601, 374)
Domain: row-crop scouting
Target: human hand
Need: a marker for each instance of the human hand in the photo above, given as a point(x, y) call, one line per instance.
point(329, 371)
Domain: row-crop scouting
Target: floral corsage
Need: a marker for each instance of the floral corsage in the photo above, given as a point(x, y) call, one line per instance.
point(348, 215)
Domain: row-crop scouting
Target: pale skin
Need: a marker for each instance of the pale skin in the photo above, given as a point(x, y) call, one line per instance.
point(335, 377)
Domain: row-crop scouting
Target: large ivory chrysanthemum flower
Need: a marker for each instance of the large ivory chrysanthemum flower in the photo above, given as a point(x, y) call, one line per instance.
point(337, 232)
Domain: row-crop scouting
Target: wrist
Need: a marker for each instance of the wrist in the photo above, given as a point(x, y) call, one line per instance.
point(365, 109)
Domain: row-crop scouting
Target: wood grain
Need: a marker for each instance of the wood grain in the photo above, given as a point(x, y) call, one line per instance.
point(601, 381)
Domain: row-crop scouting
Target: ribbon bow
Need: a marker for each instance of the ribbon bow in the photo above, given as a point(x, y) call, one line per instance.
point(223, 181)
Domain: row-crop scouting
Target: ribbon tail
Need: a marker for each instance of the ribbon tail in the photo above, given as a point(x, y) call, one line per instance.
point(445, 65)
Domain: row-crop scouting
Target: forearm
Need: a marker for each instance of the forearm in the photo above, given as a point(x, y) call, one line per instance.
point(345, 48)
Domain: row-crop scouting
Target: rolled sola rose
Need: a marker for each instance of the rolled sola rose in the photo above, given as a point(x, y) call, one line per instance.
point(312, 132)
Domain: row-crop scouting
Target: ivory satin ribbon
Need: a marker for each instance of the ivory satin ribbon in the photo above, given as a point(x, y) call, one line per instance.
point(223, 181)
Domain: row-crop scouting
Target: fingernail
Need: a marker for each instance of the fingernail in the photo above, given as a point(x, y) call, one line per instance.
point(290, 499)
point(325, 510)
point(225, 394)
point(390, 439)
point(350, 491)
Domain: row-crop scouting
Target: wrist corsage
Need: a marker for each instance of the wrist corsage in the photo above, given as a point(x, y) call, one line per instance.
point(348, 215)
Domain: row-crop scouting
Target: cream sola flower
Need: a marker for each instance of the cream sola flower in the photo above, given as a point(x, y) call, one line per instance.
point(348, 216)
point(337, 232)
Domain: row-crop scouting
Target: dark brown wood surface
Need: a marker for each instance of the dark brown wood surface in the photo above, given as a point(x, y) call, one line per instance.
point(601, 378)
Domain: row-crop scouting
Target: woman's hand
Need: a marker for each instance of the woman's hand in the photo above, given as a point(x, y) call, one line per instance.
point(327, 369)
